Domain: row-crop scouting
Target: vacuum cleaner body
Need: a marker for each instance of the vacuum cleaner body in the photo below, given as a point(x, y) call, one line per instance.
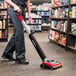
point(46, 64)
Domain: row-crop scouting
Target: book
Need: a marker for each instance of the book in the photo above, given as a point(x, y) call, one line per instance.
point(3, 4)
point(3, 24)
point(0, 24)
point(0, 33)
point(56, 36)
point(74, 12)
point(59, 25)
point(73, 28)
point(51, 35)
point(60, 2)
point(62, 39)
point(60, 12)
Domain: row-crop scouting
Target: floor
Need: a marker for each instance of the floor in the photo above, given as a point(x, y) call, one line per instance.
point(52, 51)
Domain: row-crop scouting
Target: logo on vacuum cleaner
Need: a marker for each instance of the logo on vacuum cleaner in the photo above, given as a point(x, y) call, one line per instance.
point(33, 43)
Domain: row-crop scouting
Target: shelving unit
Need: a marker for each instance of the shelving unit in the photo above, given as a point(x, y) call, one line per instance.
point(63, 21)
point(41, 12)
point(3, 21)
point(44, 13)
point(36, 24)
point(71, 31)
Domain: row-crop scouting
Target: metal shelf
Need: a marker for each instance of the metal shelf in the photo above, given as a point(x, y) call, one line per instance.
point(34, 24)
point(57, 43)
point(72, 47)
point(2, 29)
point(72, 4)
point(58, 30)
point(34, 18)
point(72, 34)
point(59, 18)
point(70, 37)
point(3, 9)
point(60, 6)
point(72, 18)
point(3, 39)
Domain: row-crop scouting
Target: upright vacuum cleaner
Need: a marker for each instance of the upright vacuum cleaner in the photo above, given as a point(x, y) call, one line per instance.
point(46, 64)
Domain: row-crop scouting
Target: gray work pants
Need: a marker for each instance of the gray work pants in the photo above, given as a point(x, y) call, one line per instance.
point(16, 43)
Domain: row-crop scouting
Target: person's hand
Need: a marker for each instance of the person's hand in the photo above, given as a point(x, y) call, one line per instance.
point(30, 20)
point(16, 8)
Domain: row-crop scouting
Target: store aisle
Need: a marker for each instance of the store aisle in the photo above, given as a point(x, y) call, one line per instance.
point(52, 51)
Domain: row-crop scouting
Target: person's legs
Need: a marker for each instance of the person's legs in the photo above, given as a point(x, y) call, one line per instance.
point(18, 39)
point(19, 34)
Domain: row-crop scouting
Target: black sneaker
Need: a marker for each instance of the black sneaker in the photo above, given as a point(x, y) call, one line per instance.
point(7, 57)
point(26, 62)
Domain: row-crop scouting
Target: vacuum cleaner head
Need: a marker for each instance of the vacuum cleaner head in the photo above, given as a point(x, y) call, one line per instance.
point(51, 64)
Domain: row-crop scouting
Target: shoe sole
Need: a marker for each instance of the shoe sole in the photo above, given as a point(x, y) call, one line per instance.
point(8, 59)
point(22, 63)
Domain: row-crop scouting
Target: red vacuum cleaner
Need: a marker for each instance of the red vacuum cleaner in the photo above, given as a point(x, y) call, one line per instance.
point(46, 64)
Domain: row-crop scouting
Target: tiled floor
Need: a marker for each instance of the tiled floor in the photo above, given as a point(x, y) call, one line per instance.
point(68, 59)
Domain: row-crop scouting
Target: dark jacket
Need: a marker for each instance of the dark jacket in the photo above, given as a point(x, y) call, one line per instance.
point(21, 3)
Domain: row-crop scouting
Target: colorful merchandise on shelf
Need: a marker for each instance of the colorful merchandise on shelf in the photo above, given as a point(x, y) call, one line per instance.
point(63, 23)
point(73, 28)
point(60, 13)
point(51, 34)
point(0, 34)
point(0, 24)
point(58, 37)
point(43, 13)
point(73, 1)
point(36, 22)
point(3, 21)
point(72, 12)
point(60, 2)
point(3, 13)
point(3, 5)
point(62, 39)
point(33, 15)
point(59, 25)
point(35, 27)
